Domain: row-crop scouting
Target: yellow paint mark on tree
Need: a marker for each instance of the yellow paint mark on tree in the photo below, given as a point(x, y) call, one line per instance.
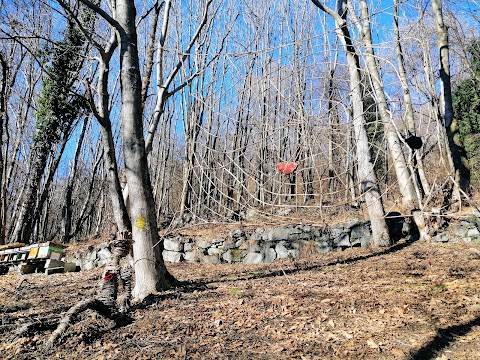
point(140, 223)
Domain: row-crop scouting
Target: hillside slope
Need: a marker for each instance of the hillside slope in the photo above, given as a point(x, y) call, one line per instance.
point(413, 301)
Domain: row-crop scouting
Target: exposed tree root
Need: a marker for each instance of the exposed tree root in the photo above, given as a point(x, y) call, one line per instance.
point(107, 303)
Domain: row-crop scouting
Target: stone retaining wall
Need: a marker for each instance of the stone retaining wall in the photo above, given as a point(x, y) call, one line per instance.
point(264, 245)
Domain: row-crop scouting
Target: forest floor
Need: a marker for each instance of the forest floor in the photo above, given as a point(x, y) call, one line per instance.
point(412, 301)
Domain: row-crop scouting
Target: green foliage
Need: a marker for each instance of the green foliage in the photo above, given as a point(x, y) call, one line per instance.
point(472, 146)
point(466, 103)
point(57, 109)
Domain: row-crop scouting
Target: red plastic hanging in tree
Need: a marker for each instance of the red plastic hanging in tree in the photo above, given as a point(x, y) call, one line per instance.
point(286, 167)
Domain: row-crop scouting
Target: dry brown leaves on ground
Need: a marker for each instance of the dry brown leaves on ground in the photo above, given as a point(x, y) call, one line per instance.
point(413, 301)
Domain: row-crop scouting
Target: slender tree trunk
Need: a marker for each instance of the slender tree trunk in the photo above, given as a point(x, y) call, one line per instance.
point(151, 274)
point(407, 100)
point(460, 168)
point(102, 113)
point(23, 228)
point(3, 122)
point(404, 177)
point(366, 174)
point(67, 206)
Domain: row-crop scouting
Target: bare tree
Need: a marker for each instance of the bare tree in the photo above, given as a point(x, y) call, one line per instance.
point(368, 181)
point(398, 157)
point(418, 169)
point(457, 159)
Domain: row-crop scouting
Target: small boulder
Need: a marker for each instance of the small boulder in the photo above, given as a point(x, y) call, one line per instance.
point(342, 240)
point(210, 259)
point(191, 256)
point(270, 255)
point(253, 258)
point(441, 237)
point(281, 250)
point(204, 244)
point(172, 256)
point(173, 244)
point(104, 253)
point(214, 251)
point(473, 232)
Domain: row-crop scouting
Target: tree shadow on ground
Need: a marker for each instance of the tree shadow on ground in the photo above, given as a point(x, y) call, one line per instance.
point(304, 267)
point(182, 287)
point(443, 339)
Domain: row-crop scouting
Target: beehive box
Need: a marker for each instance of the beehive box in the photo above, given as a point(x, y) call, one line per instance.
point(49, 250)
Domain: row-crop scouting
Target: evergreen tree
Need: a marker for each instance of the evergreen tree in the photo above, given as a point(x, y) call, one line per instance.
point(466, 102)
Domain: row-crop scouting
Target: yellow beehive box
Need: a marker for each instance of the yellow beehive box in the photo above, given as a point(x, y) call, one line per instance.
point(32, 254)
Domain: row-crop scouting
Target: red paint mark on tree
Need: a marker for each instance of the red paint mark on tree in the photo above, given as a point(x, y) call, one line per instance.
point(286, 167)
point(109, 276)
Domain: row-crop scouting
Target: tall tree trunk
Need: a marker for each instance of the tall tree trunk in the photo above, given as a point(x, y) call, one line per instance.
point(102, 114)
point(460, 168)
point(407, 99)
point(23, 226)
point(404, 177)
point(366, 174)
point(3, 122)
point(151, 274)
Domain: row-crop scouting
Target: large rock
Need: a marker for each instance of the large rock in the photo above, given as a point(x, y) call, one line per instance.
point(237, 234)
point(218, 242)
point(103, 245)
point(228, 256)
point(336, 230)
point(257, 234)
point(188, 246)
point(233, 256)
point(459, 230)
point(284, 253)
point(253, 246)
point(323, 246)
point(280, 233)
point(253, 258)
point(88, 265)
point(91, 256)
point(170, 244)
point(172, 256)
point(476, 213)
point(242, 245)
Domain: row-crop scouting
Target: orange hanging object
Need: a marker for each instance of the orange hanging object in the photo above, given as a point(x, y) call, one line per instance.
point(286, 167)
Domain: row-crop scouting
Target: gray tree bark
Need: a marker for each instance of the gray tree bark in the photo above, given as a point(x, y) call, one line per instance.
point(366, 174)
point(404, 177)
point(458, 160)
point(151, 274)
point(407, 99)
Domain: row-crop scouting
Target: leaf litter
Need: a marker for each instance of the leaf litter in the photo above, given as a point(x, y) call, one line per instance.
point(418, 301)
